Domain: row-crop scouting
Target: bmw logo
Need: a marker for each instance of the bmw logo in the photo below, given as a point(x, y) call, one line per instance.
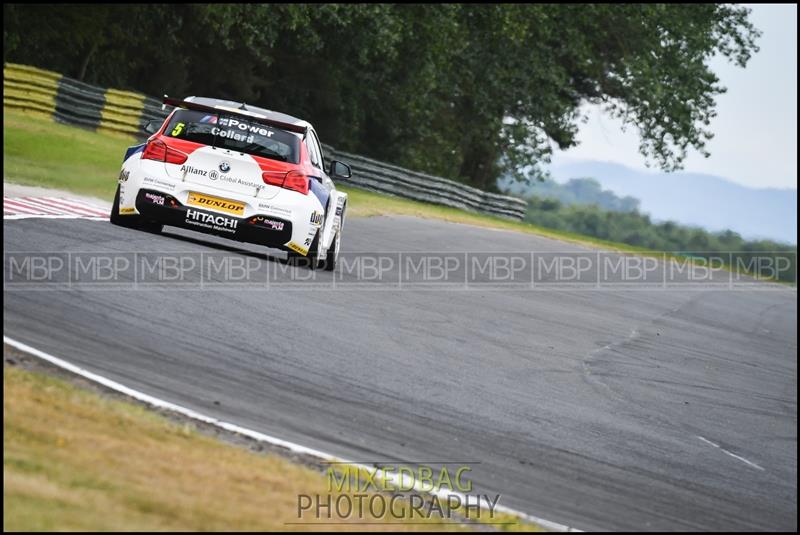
point(224, 167)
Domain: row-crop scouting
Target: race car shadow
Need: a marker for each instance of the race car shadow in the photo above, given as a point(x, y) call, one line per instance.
point(270, 255)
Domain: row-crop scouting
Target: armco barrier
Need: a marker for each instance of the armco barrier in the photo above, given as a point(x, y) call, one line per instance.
point(70, 101)
point(393, 180)
point(30, 88)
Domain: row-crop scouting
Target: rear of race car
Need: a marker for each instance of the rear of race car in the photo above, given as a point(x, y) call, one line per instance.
point(224, 175)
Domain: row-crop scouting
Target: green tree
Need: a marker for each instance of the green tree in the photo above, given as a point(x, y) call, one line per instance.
point(461, 90)
point(530, 67)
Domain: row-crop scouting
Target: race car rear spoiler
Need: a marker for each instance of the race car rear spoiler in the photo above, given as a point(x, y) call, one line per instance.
point(240, 113)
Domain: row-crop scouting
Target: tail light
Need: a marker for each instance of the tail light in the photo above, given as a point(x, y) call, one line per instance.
point(297, 181)
point(293, 180)
point(159, 151)
point(273, 178)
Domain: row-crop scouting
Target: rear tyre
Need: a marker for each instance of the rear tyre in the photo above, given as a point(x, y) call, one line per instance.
point(131, 221)
point(333, 254)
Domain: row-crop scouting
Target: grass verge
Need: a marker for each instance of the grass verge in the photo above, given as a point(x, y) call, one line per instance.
point(41, 152)
point(76, 460)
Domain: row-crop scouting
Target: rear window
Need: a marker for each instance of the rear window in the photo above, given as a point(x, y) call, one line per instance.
point(234, 133)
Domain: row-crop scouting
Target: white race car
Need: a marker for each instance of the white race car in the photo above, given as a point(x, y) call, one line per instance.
point(237, 171)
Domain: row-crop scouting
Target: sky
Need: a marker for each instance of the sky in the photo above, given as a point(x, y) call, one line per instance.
point(755, 130)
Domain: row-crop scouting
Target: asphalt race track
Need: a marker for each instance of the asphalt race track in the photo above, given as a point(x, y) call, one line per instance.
point(657, 409)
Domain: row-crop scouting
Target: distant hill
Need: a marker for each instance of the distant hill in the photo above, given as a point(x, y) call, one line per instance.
point(709, 201)
point(573, 191)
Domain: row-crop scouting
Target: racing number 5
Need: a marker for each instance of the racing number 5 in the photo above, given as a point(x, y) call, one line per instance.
point(177, 130)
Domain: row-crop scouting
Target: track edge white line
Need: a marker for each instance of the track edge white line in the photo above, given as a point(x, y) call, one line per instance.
point(255, 435)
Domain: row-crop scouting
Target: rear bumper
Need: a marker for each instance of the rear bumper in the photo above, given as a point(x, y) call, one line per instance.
point(259, 229)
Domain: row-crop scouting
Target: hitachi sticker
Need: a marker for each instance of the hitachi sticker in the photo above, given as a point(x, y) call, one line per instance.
point(216, 222)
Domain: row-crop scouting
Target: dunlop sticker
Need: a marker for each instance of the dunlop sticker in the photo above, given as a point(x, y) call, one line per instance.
point(215, 203)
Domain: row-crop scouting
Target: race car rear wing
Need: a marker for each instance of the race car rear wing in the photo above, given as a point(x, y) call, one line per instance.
point(249, 116)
